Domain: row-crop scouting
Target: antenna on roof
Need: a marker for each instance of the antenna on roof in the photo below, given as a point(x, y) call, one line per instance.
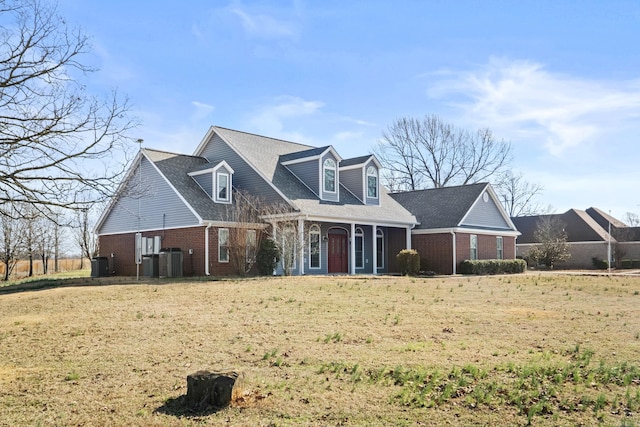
point(140, 141)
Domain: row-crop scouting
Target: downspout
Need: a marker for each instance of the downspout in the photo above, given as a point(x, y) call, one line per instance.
point(206, 249)
point(453, 235)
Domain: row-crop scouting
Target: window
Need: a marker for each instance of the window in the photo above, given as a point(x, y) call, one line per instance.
point(223, 193)
point(372, 182)
point(359, 235)
point(250, 247)
point(379, 249)
point(223, 245)
point(314, 246)
point(499, 253)
point(473, 246)
point(329, 173)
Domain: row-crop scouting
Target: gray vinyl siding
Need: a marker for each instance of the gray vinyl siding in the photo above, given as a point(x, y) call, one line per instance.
point(352, 180)
point(244, 177)
point(308, 172)
point(206, 182)
point(332, 197)
point(160, 206)
point(486, 215)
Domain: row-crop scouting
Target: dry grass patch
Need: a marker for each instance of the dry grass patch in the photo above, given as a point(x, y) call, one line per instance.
point(546, 350)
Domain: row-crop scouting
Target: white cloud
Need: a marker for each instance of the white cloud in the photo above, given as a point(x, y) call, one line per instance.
point(522, 97)
point(202, 110)
point(262, 25)
point(270, 119)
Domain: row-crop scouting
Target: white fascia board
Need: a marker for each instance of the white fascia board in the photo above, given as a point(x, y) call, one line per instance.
point(508, 233)
point(361, 221)
point(494, 197)
point(300, 160)
point(335, 155)
point(116, 195)
point(204, 141)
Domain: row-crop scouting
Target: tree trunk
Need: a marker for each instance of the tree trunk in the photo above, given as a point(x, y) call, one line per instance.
point(213, 390)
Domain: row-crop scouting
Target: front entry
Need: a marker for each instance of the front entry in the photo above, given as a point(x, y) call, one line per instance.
point(338, 251)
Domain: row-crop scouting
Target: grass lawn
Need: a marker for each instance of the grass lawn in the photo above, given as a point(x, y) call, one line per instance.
point(501, 350)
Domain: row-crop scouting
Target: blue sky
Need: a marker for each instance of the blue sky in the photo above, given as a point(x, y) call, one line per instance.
point(560, 80)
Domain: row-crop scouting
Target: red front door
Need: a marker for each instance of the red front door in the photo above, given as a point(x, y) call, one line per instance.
point(338, 252)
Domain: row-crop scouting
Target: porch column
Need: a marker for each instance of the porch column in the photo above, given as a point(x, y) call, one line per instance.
point(352, 249)
point(301, 247)
point(374, 258)
point(408, 237)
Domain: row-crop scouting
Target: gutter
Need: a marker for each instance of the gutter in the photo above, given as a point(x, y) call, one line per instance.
point(206, 249)
point(455, 261)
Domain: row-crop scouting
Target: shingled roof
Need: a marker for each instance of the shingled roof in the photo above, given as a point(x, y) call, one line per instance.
point(265, 154)
point(579, 226)
point(440, 207)
point(175, 167)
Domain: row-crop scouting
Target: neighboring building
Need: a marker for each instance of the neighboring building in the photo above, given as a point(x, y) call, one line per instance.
point(459, 223)
point(350, 223)
point(588, 237)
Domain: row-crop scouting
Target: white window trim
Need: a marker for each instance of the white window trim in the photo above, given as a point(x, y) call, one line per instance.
point(217, 199)
point(220, 246)
point(375, 175)
point(335, 175)
point(380, 259)
point(359, 233)
point(316, 230)
point(500, 247)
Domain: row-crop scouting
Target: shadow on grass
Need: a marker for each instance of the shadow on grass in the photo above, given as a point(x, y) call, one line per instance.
point(176, 407)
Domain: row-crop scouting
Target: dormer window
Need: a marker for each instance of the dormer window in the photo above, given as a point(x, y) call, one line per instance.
point(329, 174)
point(223, 193)
point(372, 182)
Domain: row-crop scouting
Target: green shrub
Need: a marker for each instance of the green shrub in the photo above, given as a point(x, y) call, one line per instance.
point(630, 263)
point(600, 264)
point(492, 266)
point(408, 262)
point(267, 257)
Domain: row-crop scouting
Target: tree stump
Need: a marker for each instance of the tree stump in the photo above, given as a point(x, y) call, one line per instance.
point(213, 390)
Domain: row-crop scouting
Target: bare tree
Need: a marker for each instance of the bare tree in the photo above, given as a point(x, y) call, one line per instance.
point(11, 242)
point(632, 219)
point(517, 195)
point(244, 239)
point(53, 134)
point(83, 235)
point(423, 153)
point(552, 238)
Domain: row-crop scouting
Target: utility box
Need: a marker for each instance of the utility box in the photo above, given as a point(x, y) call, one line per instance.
point(170, 262)
point(150, 265)
point(99, 266)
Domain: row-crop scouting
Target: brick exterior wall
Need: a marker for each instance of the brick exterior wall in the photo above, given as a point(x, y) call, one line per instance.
point(122, 246)
point(436, 250)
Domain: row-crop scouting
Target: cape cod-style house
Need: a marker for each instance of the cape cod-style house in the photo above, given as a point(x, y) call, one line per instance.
point(179, 201)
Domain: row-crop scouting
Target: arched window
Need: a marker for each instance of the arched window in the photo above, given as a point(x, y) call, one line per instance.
point(314, 246)
point(379, 249)
point(359, 235)
point(329, 174)
point(372, 182)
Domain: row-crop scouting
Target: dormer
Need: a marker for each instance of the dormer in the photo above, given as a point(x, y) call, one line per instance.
point(361, 175)
point(216, 181)
point(318, 169)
